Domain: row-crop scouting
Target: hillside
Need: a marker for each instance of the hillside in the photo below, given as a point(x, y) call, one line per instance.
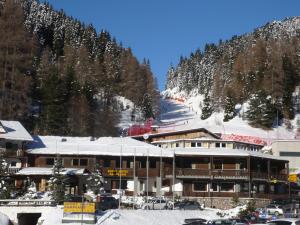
point(260, 69)
point(58, 76)
point(177, 115)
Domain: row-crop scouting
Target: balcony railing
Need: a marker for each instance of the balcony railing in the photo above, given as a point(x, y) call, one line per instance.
point(13, 170)
point(230, 173)
point(11, 153)
point(188, 172)
point(264, 176)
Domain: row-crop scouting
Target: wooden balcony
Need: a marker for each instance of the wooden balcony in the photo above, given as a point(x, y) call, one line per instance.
point(152, 172)
point(264, 176)
point(9, 153)
point(259, 176)
point(236, 174)
point(13, 170)
point(213, 174)
point(192, 173)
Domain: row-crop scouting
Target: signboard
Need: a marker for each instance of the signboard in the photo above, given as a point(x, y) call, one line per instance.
point(79, 207)
point(293, 178)
point(123, 173)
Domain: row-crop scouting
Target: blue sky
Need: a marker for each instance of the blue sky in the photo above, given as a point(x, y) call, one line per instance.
point(163, 30)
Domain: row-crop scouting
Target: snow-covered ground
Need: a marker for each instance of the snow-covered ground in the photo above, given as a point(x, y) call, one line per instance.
point(53, 215)
point(4, 220)
point(177, 115)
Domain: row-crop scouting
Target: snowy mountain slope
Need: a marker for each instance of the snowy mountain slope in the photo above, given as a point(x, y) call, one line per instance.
point(178, 115)
point(259, 68)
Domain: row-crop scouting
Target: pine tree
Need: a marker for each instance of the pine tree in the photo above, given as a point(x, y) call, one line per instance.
point(57, 181)
point(207, 108)
point(261, 112)
point(290, 80)
point(5, 186)
point(95, 181)
point(229, 109)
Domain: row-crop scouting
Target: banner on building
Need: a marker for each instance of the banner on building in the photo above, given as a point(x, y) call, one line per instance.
point(122, 173)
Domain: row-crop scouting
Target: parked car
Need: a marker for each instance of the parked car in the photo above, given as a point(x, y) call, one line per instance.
point(220, 222)
point(156, 204)
point(195, 221)
point(240, 221)
point(274, 209)
point(105, 202)
point(187, 205)
point(285, 221)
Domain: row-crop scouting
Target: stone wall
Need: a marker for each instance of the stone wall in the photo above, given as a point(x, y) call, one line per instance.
point(226, 203)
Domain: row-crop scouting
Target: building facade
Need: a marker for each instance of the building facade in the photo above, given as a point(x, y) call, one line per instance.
point(139, 168)
point(13, 139)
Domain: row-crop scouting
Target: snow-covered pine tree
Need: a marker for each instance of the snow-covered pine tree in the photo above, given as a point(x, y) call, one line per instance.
point(261, 112)
point(95, 181)
point(57, 181)
point(207, 108)
point(229, 108)
point(5, 188)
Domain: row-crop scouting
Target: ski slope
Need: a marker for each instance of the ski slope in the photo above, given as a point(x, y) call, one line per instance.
point(178, 115)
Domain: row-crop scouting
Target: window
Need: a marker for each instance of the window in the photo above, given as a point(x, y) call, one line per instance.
point(83, 162)
point(152, 163)
point(79, 162)
point(218, 164)
point(131, 164)
point(261, 188)
point(49, 161)
point(143, 164)
point(227, 187)
point(244, 187)
point(117, 165)
point(177, 145)
point(291, 154)
point(217, 145)
point(193, 144)
point(214, 187)
point(13, 164)
point(11, 146)
point(223, 145)
point(106, 163)
point(199, 186)
point(199, 144)
point(75, 162)
point(115, 184)
point(159, 145)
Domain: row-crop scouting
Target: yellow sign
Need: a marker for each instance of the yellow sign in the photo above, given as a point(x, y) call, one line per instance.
point(293, 178)
point(123, 173)
point(79, 207)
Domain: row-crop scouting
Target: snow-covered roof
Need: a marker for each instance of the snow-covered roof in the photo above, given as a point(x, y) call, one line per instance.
point(203, 139)
point(14, 131)
point(179, 132)
point(222, 152)
point(110, 146)
point(188, 139)
point(49, 171)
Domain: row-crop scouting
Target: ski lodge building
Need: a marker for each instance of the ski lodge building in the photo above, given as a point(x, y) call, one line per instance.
point(197, 167)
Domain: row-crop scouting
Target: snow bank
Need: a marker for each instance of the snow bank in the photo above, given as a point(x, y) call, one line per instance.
point(4, 220)
point(157, 217)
